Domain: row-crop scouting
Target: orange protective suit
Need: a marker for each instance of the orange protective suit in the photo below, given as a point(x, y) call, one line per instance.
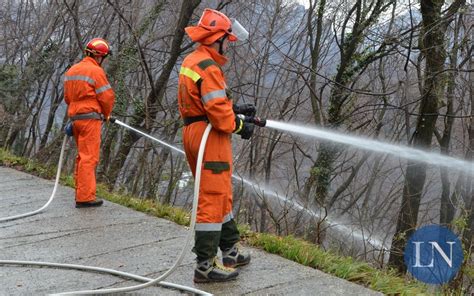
point(86, 90)
point(202, 91)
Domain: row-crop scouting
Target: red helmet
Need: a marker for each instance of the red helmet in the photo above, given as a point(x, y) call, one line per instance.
point(98, 47)
point(212, 26)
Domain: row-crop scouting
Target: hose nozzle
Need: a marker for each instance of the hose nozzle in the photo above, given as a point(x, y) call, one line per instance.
point(261, 122)
point(253, 119)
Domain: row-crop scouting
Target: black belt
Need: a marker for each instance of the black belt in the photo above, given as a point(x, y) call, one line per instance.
point(190, 120)
point(91, 115)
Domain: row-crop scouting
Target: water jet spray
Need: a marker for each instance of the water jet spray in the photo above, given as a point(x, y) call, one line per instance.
point(374, 145)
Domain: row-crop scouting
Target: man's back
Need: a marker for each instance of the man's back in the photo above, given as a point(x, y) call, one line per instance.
point(86, 89)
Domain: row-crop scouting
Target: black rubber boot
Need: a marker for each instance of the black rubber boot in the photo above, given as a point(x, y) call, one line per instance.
point(211, 271)
point(87, 204)
point(234, 257)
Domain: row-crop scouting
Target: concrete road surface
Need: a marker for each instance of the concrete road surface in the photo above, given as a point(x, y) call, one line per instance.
point(115, 237)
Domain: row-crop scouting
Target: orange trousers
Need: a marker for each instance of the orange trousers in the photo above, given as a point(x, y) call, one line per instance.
point(87, 136)
point(215, 194)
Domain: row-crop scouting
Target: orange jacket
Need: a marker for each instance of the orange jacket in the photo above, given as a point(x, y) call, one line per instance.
point(86, 89)
point(202, 89)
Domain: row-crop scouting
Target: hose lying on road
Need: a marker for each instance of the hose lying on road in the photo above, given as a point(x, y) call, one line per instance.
point(149, 282)
point(58, 174)
point(103, 270)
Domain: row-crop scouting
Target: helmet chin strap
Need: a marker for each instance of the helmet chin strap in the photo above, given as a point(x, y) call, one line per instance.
point(221, 44)
point(102, 58)
point(92, 55)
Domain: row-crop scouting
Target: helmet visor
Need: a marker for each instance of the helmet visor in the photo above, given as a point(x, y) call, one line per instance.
point(239, 31)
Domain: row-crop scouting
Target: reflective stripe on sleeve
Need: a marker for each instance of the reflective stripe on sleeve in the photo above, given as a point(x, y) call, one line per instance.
point(208, 226)
point(189, 73)
point(79, 77)
point(102, 89)
point(213, 94)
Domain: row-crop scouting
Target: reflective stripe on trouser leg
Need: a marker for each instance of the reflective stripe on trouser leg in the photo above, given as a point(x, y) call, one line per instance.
point(208, 226)
point(229, 235)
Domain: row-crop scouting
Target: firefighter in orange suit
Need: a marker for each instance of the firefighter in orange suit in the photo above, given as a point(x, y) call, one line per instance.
point(90, 100)
point(203, 99)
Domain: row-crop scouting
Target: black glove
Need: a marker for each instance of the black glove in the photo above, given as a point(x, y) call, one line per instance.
point(245, 109)
point(243, 128)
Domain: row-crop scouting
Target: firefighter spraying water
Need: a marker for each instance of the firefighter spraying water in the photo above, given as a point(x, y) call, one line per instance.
point(204, 98)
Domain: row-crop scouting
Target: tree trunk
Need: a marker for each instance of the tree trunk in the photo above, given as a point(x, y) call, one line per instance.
point(52, 114)
point(28, 75)
point(154, 98)
point(118, 70)
point(435, 54)
point(349, 66)
point(468, 235)
point(447, 208)
point(315, 50)
point(156, 95)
